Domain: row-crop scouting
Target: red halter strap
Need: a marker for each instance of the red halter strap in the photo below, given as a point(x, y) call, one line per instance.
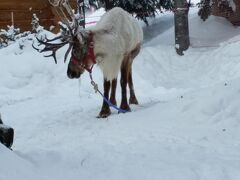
point(91, 55)
point(90, 58)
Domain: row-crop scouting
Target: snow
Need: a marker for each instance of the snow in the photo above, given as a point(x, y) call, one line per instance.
point(186, 126)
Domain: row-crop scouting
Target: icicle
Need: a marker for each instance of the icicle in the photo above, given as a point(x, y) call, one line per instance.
point(79, 86)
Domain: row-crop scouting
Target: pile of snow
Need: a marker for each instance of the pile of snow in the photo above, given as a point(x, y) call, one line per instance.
point(186, 127)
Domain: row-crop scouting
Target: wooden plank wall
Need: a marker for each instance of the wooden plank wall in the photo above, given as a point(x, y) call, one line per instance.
point(22, 12)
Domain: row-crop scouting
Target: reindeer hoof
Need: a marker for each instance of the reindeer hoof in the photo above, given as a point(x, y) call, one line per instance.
point(125, 107)
point(104, 113)
point(133, 100)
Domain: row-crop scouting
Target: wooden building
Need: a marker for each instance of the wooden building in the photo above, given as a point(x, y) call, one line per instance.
point(229, 11)
point(20, 13)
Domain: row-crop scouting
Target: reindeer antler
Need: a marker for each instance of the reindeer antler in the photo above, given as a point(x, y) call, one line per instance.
point(67, 38)
point(50, 47)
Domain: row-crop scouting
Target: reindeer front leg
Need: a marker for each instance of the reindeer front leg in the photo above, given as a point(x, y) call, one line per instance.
point(105, 111)
point(113, 92)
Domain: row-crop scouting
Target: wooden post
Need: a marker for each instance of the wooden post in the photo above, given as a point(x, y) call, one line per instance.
point(12, 18)
point(182, 41)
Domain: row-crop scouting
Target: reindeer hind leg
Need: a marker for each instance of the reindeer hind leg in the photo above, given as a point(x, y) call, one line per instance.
point(134, 53)
point(123, 81)
point(132, 98)
point(113, 92)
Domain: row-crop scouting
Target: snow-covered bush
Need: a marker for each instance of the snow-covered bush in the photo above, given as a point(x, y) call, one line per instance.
point(8, 36)
point(13, 35)
point(37, 28)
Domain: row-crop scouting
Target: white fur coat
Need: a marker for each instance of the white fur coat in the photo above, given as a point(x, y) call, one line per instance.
point(115, 35)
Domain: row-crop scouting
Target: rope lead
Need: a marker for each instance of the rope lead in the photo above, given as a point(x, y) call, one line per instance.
point(95, 87)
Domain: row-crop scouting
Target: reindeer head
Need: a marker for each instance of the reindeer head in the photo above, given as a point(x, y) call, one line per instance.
point(81, 48)
point(80, 42)
point(83, 57)
point(75, 67)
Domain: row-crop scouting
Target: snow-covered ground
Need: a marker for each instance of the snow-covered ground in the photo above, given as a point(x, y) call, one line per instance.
point(187, 126)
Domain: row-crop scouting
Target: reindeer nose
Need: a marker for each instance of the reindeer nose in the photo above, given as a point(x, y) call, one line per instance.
point(73, 74)
point(70, 74)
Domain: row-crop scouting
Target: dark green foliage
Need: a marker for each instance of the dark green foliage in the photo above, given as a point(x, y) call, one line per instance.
point(141, 8)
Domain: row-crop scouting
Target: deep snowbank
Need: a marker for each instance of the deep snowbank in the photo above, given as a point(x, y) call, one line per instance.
point(186, 126)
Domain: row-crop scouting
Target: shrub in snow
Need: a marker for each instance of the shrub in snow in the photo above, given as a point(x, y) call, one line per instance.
point(3, 42)
point(11, 35)
point(37, 28)
point(8, 36)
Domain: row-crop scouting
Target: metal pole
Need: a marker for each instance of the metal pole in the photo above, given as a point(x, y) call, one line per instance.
point(81, 11)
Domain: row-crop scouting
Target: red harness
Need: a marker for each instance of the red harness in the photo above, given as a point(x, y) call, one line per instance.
point(90, 58)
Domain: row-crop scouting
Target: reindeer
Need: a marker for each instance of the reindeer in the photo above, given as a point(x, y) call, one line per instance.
point(112, 44)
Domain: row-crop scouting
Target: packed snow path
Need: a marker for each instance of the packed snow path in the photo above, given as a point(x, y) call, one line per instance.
point(187, 126)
